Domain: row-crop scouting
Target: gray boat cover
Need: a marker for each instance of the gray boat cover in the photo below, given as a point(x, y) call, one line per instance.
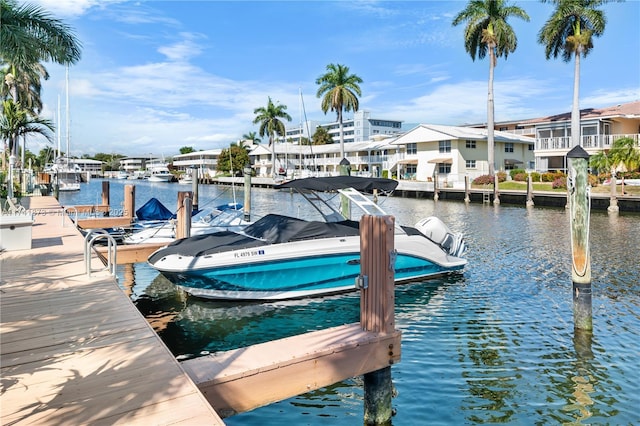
point(333, 183)
point(271, 229)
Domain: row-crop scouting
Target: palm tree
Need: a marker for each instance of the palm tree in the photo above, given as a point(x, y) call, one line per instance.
point(600, 162)
point(269, 118)
point(252, 137)
point(487, 30)
point(30, 34)
point(26, 84)
point(339, 89)
point(568, 32)
point(16, 122)
point(624, 153)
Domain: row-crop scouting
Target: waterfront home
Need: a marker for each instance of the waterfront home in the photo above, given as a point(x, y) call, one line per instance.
point(451, 152)
point(205, 162)
point(599, 128)
point(368, 158)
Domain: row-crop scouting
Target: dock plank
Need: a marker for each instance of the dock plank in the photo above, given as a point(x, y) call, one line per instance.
point(75, 350)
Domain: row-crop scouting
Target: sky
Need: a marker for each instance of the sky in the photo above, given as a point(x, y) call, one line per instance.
point(156, 76)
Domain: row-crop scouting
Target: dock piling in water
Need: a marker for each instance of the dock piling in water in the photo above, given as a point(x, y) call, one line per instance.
point(377, 308)
point(579, 208)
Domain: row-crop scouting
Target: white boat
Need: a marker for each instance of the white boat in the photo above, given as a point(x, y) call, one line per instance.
point(280, 257)
point(158, 171)
point(186, 179)
point(228, 217)
point(122, 174)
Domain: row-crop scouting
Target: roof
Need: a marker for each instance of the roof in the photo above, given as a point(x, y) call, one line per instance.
point(628, 110)
point(436, 133)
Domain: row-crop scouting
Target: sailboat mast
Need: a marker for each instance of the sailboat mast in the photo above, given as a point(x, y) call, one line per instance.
point(67, 116)
point(58, 130)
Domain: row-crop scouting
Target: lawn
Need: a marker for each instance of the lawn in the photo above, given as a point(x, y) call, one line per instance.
point(546, 186)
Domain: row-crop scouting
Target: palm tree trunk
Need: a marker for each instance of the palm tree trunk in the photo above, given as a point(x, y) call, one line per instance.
point(575, 111)
point(490, 112)
point(273, 155)
point(341, 134)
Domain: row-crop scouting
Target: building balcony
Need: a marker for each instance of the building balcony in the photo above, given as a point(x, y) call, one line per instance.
point(588, 142)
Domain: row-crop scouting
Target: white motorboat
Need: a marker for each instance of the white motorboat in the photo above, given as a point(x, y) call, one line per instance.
point(227, 217)
point(280, 257)
point(158, 171)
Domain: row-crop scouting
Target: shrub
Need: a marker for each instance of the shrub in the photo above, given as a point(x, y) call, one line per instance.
point(535, 176)
point(593, 180)
point(502, 176)
point(483, 180)
point(513, 173)
point(560, 182)
point(520, 177)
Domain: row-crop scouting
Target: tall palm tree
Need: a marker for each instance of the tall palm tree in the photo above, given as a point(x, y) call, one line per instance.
point(27, 82)
point(624, 153)
point(339, 89)
point(270, 120)
point(487, 31)
point(568, 32)
point(30, 34)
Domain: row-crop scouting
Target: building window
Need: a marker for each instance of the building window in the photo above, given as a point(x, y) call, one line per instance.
point(503, 129)
point(471, 144)
point(508, 147)
point(444, 168)
point(444, 146)
point(531, 147)
point(471, 164)
point(412, 148)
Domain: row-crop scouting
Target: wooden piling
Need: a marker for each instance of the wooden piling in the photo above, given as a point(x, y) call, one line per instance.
point(247, 194)
point(377, 300)
point(467, 190)
point(613, 199)
point(579, 208)
point(496, 190)
point(194, 189)
point(183, 215)
point(435, 186)
point(129, 207)
point(106, 195)
point(529, 201)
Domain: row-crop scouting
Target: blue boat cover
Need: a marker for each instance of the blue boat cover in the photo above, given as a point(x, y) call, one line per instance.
point(154, 210)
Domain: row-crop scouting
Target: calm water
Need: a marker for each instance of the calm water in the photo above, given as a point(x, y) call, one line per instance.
point(494, 345)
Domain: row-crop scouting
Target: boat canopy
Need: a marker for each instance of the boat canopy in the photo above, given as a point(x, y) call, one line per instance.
point(154, 210)
point(333, 183)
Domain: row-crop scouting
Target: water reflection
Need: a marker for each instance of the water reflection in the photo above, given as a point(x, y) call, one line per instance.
point(495, 344)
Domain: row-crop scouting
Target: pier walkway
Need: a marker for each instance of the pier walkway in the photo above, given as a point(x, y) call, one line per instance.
point(74, 349)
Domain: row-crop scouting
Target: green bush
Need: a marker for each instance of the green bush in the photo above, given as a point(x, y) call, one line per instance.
point(535, 176)
point(513, 173)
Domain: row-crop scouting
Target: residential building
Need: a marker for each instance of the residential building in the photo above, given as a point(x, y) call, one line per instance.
point(599, 128)
point(451, 153)
point(360, 128)
point(206, 162)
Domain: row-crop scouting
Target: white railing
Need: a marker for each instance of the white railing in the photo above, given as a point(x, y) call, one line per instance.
point(588, 142)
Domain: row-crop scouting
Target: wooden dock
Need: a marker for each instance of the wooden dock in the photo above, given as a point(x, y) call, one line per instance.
point(75, 350)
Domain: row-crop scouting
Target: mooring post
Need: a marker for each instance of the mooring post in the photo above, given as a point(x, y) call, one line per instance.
point(129, 201)
point(496, 190)
point(579, 210)
point(467, 194)
point(377, 304)
point(183, 215)
point(529, 202)
point(435, 185)
point(247, 193)
point(613, 199)
point(194, 187)
point(105, 195)
point(345, 205)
